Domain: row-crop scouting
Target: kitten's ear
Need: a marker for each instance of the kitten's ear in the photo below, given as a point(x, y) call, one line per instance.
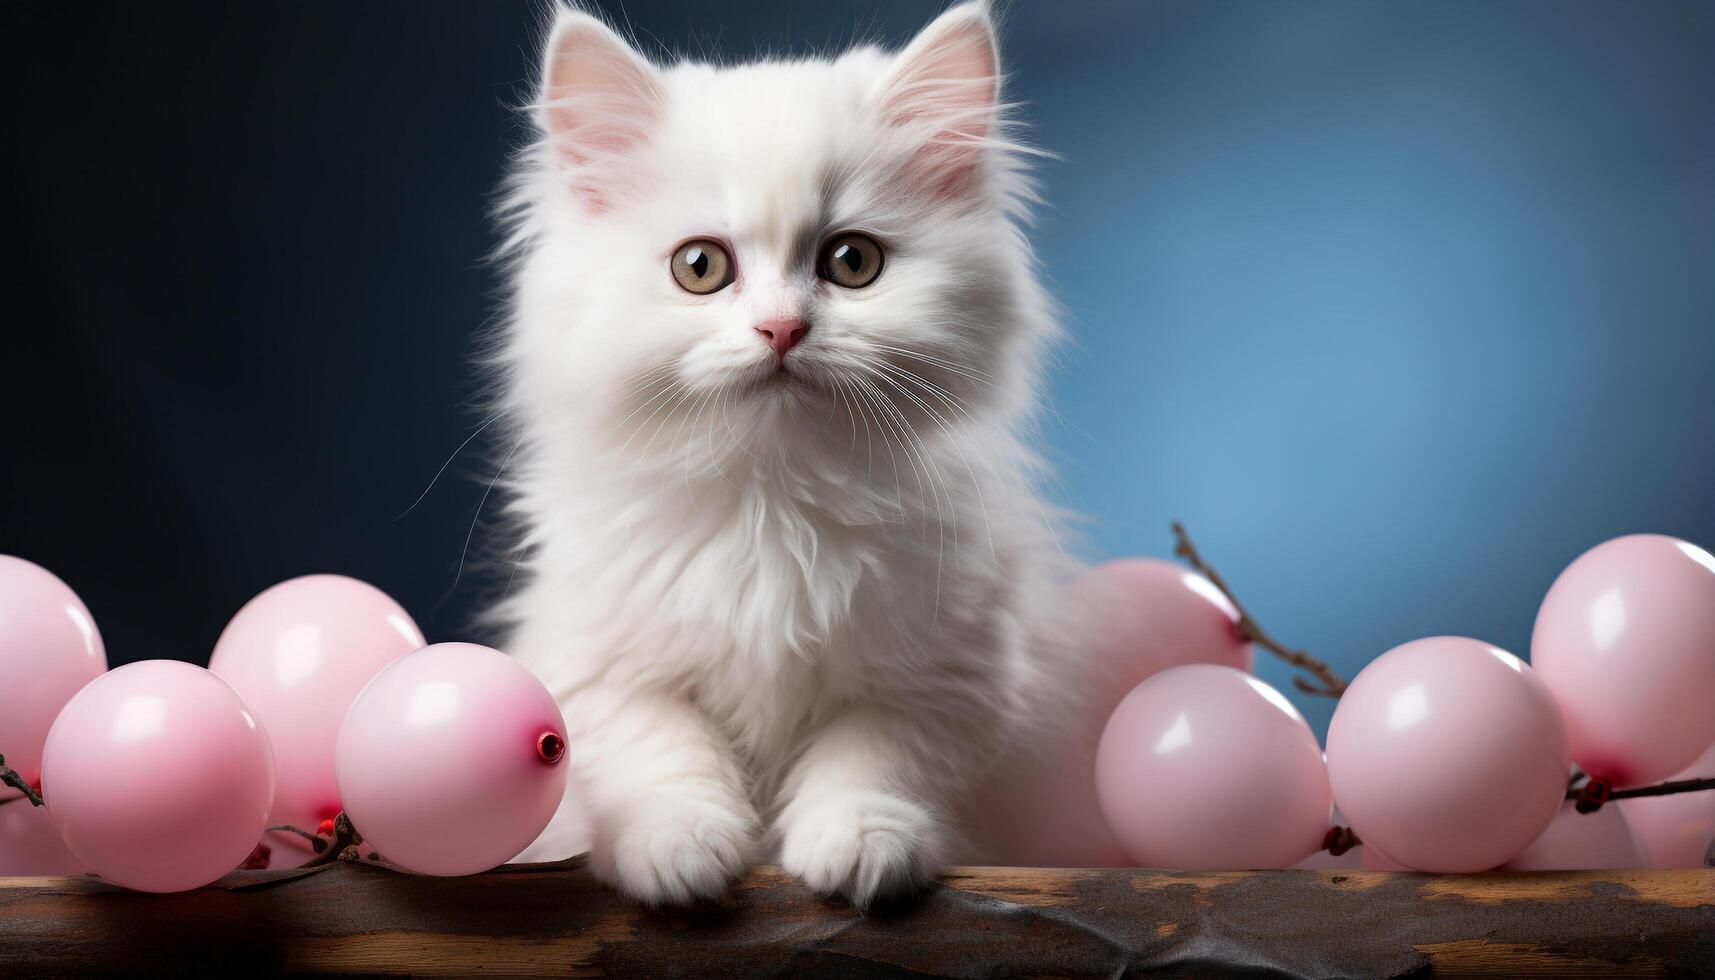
point(599, 97)
point(942, 89)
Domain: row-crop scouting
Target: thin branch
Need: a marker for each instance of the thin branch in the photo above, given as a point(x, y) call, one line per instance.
point(1589, 796)
point(318, 843)
point(1331, 684)
point(343, 846)
point(1596, 792)
point(10, 777)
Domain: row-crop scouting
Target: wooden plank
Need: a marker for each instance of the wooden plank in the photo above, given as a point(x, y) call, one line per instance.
point(556, 920)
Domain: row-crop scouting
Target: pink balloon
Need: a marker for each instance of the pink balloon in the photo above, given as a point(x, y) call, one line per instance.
point(49, 649)
point(1143, 616)
point(158, 777)
point(1626, 641)
point(1149, 615)
point(1207, 768)
point(298, 654)
point(1582, 842)
point(29, 844)
point(1448, 754)
point(568, 834)
point(1371, 858)
point(1676, 831)
point(450, 761)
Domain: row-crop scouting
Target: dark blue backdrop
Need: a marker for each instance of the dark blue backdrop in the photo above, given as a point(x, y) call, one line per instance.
point(1399, 305)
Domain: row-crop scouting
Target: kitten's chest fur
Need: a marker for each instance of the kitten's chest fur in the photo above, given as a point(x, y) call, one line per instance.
point(770, 596)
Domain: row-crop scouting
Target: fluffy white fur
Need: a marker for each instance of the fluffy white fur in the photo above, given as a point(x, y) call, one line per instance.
point(799, 615)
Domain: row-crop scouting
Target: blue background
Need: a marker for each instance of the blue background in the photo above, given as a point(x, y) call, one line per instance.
point(1400, 306)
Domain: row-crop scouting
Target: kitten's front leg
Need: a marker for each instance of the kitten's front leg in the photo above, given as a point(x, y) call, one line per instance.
point(670, 817)
point(851, 824)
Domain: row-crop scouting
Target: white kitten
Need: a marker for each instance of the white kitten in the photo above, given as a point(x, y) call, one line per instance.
point(775, 333)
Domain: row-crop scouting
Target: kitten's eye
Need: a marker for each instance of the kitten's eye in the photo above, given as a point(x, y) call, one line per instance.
point(850, 260)
point(702, 267)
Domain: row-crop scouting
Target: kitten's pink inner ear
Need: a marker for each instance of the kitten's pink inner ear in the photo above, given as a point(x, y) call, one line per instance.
point(599, 97)
point(942, 89)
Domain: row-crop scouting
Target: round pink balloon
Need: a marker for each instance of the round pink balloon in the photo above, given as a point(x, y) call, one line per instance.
point(1207, 768)
point(1582, 842)
point(1626, 641)
point(1148, 615)
point(158, 777)
point(49, 649)
point(1676, 831)
point(567, 835)
point(1448, 754)
point(1137, 617)
point(298, 654)
point(451, 760)
point(29, 844)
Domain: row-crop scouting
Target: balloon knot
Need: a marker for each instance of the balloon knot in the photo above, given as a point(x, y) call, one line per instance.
point(1339, 840)
point(1593, 794)
point(550, 748)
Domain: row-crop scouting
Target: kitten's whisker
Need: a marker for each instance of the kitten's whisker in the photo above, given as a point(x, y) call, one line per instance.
point(672, 393)
point(946, 427)
point(849, 392)
point(689, 435)
point(946, 365)
point(687, 431)
point(737, 439)
point(655, 376)
point(951, 400)
point(432, 481)
point(858, 389)
point(1048, 524)
point(721, 410)
point(685, 395)
point(680, 388)
point(642, 381)
point(474, 518)
point(931, 460)
point(908, 442)
point(516, 562)
point(851, 442)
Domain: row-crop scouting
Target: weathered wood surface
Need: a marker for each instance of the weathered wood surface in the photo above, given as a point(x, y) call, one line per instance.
point(555, 920)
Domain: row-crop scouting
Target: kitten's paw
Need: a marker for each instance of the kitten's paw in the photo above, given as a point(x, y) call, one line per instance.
point(674, 849)
point(862, 844)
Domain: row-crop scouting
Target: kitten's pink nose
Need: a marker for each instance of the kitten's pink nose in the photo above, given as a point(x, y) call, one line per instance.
point(783, 335)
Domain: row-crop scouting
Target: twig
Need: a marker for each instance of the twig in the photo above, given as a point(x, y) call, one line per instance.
point(10, 777)
point(1590, 796)
point(1332, 686)
point(343, 846)
point(1596, 792)
point(318, 843)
